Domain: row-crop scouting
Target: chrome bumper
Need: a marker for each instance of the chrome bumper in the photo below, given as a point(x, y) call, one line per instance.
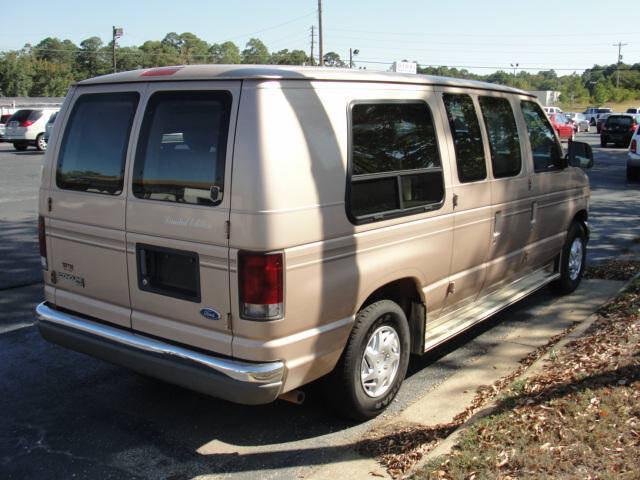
point(237, 381)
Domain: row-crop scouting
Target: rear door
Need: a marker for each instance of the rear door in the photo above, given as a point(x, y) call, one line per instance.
point(87, 203)
point(177, 213)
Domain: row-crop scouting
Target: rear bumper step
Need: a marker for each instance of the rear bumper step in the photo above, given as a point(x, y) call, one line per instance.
point(236, 381)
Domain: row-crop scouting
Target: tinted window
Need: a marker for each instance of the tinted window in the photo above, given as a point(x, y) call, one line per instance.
point(52, 118)
point(395, 160)
point(182, 148)
point(21, 115)
point(5, 118)
point(503, 136)
point(547, 154)
point(94, 146)
point(619, 121)
point(467, 139)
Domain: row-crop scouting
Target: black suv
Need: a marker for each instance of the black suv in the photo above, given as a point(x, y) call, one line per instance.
point(618, 129)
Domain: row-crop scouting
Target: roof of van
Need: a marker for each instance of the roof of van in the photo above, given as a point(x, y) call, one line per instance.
point(279, 72)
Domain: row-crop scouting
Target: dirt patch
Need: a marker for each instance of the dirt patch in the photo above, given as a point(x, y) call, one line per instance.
point(613, 270)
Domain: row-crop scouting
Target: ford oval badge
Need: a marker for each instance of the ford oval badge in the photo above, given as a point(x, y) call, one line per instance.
point(210, 314)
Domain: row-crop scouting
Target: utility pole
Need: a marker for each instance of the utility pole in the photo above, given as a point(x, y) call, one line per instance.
point(320, 45)
point(619, 45)
point(312, 40)
point(117, 33)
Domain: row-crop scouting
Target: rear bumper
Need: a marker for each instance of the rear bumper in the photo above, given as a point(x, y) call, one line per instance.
point(633, 159)
point(236, 381)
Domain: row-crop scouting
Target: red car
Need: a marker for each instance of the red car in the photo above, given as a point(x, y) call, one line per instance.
point(563, 126)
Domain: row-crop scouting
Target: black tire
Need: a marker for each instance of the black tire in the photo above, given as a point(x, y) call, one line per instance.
point(567, 282)
point(603, 142)
point(21, 147)
point(633, 173)
point(344, 389)
point(41, 143)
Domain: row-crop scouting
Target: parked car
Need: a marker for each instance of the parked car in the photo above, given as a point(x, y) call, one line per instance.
point(603, 118)
point(49, 127)
point(550, 110)
point(593, 114)
point(633, 157)
point(331, 250)
point(618, 129)
point(563, 126)
point(580, 122)
point(3, 123)
point(633, 110)
point(27, 127)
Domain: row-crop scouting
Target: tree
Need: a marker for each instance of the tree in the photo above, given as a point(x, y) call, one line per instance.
point(601, 93)
point(16, 70)
point(158, 54)
point(90, 61)
point(332, 59)
point(50, 79)
point(255, 52)
point(188, 47)
point(56, 51)
point(227, 53)
point(286, 57)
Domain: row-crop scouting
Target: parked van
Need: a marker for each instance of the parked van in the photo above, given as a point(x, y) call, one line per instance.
point(245, 230)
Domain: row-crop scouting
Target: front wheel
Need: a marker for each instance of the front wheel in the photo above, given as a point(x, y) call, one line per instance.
point(572, 260)
point(41, 143)
point(373, 364)
point(603, 142)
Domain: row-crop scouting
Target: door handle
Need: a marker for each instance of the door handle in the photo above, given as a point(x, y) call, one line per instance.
point(497, 225)
point(534, 214)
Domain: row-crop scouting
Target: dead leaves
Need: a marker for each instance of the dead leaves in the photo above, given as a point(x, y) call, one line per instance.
point(613, 270)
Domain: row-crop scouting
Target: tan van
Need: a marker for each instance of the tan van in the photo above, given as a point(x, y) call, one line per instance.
point(245, 230)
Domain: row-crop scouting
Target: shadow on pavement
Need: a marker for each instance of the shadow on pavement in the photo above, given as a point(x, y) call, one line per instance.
point(19, 256)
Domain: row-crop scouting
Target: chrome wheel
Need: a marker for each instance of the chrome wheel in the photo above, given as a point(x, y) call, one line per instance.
point(380, 361)
point(41, 143)
point(575, 258)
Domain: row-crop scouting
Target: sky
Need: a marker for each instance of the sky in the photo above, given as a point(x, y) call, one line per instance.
point(566, 35)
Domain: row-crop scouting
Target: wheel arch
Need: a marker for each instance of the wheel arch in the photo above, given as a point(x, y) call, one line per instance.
point(407, 293)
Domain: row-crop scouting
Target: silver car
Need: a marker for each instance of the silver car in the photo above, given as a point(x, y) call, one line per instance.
point(580, 120)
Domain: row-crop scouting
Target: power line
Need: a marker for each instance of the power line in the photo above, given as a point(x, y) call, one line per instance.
point(472, 35)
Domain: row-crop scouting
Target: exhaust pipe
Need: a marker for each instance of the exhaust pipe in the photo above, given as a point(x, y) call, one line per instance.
point(294, 396)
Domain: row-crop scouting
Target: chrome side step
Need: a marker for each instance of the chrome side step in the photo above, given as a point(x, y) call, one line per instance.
point(460, 320)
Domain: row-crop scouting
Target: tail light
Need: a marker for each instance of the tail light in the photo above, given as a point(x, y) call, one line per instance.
point(261, 285)
point(634, 146)
point(26, 123)
point(42, 243)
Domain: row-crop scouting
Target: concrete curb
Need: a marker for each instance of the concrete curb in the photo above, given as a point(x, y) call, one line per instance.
point(446, 445)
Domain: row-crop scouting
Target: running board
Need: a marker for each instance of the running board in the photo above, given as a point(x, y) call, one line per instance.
point(465, 318)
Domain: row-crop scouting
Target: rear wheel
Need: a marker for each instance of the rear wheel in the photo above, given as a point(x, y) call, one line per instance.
point(20, 146)
point(41, 143)
point(633, 173)
point(603, 142)
point(373, 364)
point(572, 260)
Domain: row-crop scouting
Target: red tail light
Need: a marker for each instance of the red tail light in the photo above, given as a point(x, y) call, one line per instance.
point(26, 123)
point(634, 146)
point(261, 285)
point(42, 243)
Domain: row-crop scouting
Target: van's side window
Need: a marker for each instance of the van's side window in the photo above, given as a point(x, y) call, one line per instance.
point(396, 166)
point(498, 117)
point(182, 148)
point(547, 152)
point(94, 147)
point(467, 139)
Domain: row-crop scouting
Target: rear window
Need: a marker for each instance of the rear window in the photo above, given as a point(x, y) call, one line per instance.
point(94, 146)
point(604, 110)
point(182, 148)
point(5, 118)
point(21, 115)
point(620, 121)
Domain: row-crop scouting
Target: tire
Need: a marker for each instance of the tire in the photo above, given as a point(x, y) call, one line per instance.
point(572, 260)
point(633, 173)
point(592, 122)
point(21, 147)
point(603, 142)
point(41, 143)
point(345, 388)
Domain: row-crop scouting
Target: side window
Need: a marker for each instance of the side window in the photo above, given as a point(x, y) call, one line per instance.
point(503, 136)
point(396, 166)
point(94, 147)
point(467, 139)
point(547, 153)
point(182, 148)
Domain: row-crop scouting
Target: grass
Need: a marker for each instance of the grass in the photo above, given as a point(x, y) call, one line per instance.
point(578, 418)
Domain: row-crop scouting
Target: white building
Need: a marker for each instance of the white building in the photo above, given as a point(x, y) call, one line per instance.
point(548, 98)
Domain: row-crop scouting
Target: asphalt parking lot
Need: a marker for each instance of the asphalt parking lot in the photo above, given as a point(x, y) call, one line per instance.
point(67, 415)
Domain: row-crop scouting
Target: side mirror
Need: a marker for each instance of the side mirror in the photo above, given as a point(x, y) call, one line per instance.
point(580, 155)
